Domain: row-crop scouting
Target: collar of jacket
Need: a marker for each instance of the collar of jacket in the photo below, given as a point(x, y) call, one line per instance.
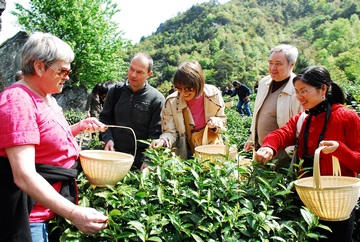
point(209, 92)
point(289, 87)
point(143, 89)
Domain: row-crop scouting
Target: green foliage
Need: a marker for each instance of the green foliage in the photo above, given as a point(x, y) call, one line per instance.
point(178, 200)
point(87, 26)
point(94, 143)
point(238, 128)
point(73, 116)
point(233, 40)
point(182, 200)
point(165, 87)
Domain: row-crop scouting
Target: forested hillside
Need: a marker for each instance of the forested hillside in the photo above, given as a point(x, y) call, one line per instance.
point(232, 40)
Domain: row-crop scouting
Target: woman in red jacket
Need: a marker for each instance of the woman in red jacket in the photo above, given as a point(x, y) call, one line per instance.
point(327, 123)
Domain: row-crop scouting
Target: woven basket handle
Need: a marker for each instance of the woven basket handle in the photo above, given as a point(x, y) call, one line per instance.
point(113, 126)
point(205, 139)
point(205, 135)
point(316, 171)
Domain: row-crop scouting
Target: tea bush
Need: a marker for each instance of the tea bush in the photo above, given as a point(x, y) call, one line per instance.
point(73, 116)
point(182, 200)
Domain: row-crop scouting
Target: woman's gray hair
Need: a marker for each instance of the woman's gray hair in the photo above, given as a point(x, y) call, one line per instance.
point(44, 47)
point(291, 52)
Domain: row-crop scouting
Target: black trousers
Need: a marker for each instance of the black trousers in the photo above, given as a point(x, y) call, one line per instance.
point(15, 207)
point(341, 230)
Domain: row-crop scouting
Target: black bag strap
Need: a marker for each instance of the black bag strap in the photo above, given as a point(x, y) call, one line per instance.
point(117, 92)
point(322, 134)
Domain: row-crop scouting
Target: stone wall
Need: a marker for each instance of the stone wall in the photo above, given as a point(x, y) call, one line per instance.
point(70, 98)
point(10, 58)
point(2, 8)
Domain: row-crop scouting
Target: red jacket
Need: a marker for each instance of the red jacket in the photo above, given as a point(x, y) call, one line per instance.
point(343, 126)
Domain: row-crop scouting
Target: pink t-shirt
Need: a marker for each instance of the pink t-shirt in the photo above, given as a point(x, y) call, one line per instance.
point(27, 119)
point(196, 106)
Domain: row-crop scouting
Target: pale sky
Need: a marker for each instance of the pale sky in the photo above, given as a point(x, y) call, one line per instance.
point(137, 17)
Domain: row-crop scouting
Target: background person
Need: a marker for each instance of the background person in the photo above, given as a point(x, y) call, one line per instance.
point(276, 99)
point(227, 91)
point(19, 75)
point(256, 86)
point(172, 89)
point(328, 123)
point(202, 102)
point(93, 105)
point(133, 104)
point(104, 90)
point(35, 138)
point(243, 93)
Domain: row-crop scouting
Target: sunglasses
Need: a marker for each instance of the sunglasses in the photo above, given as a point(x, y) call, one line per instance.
point(59, 71)
point(186, 89)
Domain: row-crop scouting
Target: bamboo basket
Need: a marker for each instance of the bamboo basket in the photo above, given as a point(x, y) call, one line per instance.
point(330, 198)
point(212, 152)
point(103, 167)
point(229, 104)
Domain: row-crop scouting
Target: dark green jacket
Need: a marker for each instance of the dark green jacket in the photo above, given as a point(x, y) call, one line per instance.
point(138, 110)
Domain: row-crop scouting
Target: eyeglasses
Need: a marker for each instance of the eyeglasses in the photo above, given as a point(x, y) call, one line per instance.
point(186, 89)
point(59, 71)
point(304, 92)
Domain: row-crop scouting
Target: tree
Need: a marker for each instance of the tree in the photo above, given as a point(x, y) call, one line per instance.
point(87, 26)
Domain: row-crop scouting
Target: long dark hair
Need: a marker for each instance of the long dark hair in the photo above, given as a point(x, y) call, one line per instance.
point(96, 88)
point(318, 76)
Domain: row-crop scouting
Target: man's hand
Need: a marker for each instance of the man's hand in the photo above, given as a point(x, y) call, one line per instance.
point(109, 145)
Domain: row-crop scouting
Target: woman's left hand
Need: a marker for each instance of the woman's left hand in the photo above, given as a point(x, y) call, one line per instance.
point(331, 146)
point(214, 122)
point(92, 125)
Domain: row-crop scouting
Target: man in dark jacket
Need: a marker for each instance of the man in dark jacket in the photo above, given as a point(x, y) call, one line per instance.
point(243, 93)
point(133, 104)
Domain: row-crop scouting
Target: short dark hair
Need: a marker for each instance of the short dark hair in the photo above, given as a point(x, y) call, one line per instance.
point(190, 74)
point(236, 83)
point(142, 55)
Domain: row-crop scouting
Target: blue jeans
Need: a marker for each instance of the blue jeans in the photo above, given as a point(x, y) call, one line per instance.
point(246, 108)
point(39, 232)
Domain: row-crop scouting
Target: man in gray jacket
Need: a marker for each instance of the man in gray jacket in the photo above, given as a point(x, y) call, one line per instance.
point(133, 104)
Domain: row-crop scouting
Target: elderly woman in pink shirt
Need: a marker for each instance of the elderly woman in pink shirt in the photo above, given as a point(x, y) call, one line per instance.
point(38, 151)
